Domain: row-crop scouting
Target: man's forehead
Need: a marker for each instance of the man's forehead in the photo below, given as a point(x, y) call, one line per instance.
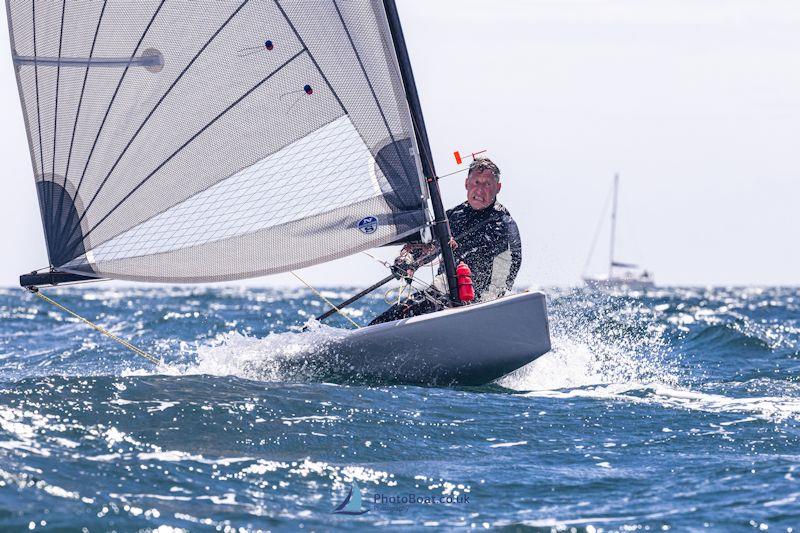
point(484, 173)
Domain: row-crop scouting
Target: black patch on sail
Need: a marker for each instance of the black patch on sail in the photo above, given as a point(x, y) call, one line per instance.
point(61, 226)
point(405, 199)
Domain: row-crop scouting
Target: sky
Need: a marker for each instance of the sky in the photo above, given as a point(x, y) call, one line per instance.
point(696, 104)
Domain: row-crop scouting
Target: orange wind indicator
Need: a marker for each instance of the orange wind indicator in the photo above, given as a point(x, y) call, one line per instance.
point(460, 160)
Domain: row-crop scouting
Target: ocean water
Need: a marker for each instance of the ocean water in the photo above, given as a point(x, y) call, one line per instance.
point(674, 410)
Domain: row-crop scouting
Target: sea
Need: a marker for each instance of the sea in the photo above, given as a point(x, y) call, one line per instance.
point(676, 409)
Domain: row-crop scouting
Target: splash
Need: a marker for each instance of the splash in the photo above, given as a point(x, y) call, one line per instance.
point(285, 356)
point(599, 340)
point(610, 348)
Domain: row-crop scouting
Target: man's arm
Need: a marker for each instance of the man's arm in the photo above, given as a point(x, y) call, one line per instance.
point(505, 254)
point(515, 245)
point(420, 254)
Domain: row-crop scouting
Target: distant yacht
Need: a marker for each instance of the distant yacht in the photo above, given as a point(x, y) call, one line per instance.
point(621, 276)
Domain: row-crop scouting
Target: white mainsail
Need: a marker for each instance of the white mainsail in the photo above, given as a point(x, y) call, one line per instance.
point(204, 141)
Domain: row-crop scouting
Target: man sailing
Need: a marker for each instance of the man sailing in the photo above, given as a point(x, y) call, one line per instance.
point(485, 237)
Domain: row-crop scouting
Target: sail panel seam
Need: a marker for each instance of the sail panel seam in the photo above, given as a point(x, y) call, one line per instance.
point(55, 113)
point(77, 118)
point(369, 82)
point(153, 110)
point(38, 111)
point(110, 104)
point(154, 215)
point(184, 145)
point(311, 56)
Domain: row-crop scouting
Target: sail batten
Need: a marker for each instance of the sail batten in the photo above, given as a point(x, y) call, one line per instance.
point(198, 142)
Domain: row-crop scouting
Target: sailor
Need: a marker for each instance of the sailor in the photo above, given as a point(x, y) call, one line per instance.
point(485, 237)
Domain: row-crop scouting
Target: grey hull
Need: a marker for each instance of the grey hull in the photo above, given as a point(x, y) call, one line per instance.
point(470, 345)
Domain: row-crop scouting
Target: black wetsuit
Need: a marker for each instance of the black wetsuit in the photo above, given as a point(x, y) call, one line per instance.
point(489, 243)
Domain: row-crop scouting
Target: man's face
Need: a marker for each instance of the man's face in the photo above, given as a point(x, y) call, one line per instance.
point(482, 188)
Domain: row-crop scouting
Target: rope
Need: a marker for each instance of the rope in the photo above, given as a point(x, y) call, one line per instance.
point(102, 330)
point(451, 173)
point(325, 299)
point(403, 287)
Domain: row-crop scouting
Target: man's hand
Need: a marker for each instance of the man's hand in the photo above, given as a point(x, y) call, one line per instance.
point(409, 255)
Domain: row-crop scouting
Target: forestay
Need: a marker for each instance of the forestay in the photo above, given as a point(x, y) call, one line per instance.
point(198, 141)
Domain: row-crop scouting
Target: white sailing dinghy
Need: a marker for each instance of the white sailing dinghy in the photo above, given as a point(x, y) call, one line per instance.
point(183, 142)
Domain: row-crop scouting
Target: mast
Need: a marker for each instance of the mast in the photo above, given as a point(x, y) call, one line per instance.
point(613, 227)
point(441, 227)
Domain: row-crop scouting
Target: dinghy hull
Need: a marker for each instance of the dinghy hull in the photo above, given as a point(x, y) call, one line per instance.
point(471, 345)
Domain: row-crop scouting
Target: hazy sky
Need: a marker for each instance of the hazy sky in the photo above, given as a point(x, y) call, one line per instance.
point(695, 103)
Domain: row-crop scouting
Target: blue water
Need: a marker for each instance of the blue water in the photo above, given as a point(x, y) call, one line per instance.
point(676, 410)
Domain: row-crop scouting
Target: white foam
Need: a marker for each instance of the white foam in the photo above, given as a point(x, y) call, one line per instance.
point(581, 362)
point(616, 364)
point(508, 444)
point(169, 456)
point(772, 408)
point(276, 357)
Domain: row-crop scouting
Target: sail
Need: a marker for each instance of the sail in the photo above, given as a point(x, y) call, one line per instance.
point(184, 141)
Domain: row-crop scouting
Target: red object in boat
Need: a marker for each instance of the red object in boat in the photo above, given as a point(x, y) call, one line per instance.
point(466, 293)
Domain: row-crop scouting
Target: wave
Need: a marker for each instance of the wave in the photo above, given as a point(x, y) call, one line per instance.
point(730, 337)
point(608, 371)
point(610, 350)
point(770, 408)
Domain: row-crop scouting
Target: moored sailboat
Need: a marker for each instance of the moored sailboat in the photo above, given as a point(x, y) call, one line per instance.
point(621, 276)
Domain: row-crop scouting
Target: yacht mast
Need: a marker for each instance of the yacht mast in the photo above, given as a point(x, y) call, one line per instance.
point(613, 228)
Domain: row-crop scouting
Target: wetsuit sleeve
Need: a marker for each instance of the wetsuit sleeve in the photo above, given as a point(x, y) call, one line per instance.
point(515, 245)
point(505, 254)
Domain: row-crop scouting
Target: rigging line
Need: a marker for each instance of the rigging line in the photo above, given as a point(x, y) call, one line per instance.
point(425, 284)
point(55, 118)
point(451, 173)
point(369, 82)
point(156, 106)
point(597, 233)
point(111, 103)
point(77, 116)
point(311, 56)
point(292, 272)
point(102, 330)
point(379, 260)
point(184, 145)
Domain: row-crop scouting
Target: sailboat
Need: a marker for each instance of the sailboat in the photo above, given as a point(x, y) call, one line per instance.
point(621, 275)
point(175, 142)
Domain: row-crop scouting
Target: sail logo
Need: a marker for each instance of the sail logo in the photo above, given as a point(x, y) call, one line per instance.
point(368, 225)
point(352, 502)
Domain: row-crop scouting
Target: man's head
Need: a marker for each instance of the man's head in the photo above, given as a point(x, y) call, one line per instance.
point(483, 183)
